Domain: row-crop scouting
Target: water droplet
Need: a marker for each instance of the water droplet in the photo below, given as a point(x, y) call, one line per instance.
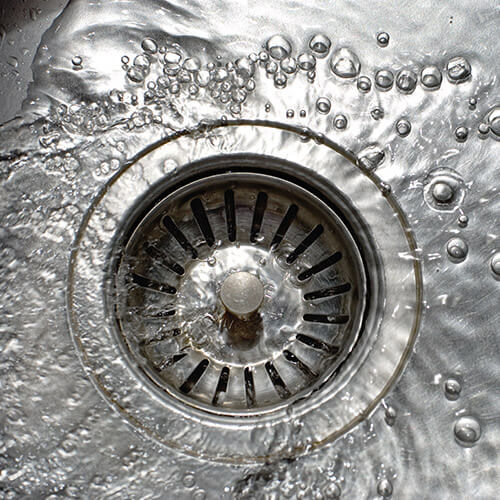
point(289, 65)
point(149, 45)
point(442, 192)
point(457, 249)
point(340, 122)
point(211, 261)
point(320, 44)
point(390, 416)
point(191, 64)
point(267, 107)
point(383, 39)
point(280, 80)
point(125, 60)
point(245, 67)
point(345, 63)
point(463, 220)
point(77, 61)
point(290, 113)
point(467, 431)
point(431, 77)
point(332, 491)
point(452, 389)
point(384, 488)
point(323, 105)
point(364, 84)
point(461, 134)
point(492, 120)
point(458, 70)
point(483, 129)
point(403, 127)
point(202, 78)
point(306, 61)
point(371, 157)
point(189, 480)
point(271, 68)
point(384, 80)
point(136, 74)
point(302, 113)
point(13, 61)
point(278, 47)
point(472, 103)
point(377, 113)
point(172, 57)
point(142, 62)
point(199, 495)
point(406, 81)
point(495, 264)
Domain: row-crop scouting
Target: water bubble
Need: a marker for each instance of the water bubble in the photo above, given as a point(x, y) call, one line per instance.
point(267, 107)
point(245, 67)
point(458, 70)
point(431, 77)
point(320, 44)
point(202, 78)
point(332, 491)
point(384, 488)
point(136, 74)
point(211, 261)
point(345, 63)
point(377, 113)
point(191, 64)
point(302, 113)
point(340, 122)
point(495, 264)
point(77, 61)
point(189, 480)
point(289, 65)
point(172, 57)
point(492, 120)
point(306, 61)
point(406, 81)
point(384, 80)
point(323, 105)
point(472, 103)
point(483, 129)
point(457, 249)
point(142, 62)
point(271, 68)
point(280, 80)
point(278, 47)
point(13, 61)
point(263, 56)
point(371, 157)
point(311, 75)
point(383, 39)
point(149, 45)
point(125, 60)
point(199, 495)
point(403, 127)
point(467, 431)
point(364, 84)
point(442, 192)
point(452, 389)
point(390, 416)
point(463, 220)
point(461, 134)
point(290, 113)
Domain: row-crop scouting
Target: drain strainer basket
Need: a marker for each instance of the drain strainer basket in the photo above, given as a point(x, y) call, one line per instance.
point(246, 305)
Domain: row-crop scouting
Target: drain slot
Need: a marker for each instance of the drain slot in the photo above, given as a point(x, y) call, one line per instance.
point(289, 217)
point(258, 215)
point(172, 228)
point(305, 244)
point(201, 218)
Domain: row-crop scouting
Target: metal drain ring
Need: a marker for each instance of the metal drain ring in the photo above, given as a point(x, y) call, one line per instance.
point(172, 271)
point(376, 361)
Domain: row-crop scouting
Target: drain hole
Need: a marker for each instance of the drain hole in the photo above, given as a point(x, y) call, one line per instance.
point(202, 220)
point(194, 376)
point(162, 259)
point(221, 386)
point(150, 284)
point(294, 360)
point(305, 244)
point(230, 215)
point(277, 381)
point(328, 292)
point(284, 226)
point(172, 228)
point(324, 264)
point(316, 344)
point(171, 360)
point(258, 215)
point(249, 388)
point(330, 319)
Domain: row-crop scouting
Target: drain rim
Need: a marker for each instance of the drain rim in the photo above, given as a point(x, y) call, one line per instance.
point(131, 230)
point(148, 414)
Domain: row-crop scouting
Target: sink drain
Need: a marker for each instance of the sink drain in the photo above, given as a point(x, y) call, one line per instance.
point(241, 300)
point(240, 292)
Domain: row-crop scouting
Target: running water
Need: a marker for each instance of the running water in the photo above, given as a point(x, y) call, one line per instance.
point(112, 79)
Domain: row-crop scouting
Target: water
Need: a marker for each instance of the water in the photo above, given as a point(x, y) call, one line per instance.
point(81, 126)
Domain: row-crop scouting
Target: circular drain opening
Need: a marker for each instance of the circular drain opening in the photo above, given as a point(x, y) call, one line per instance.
point(239, 293)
